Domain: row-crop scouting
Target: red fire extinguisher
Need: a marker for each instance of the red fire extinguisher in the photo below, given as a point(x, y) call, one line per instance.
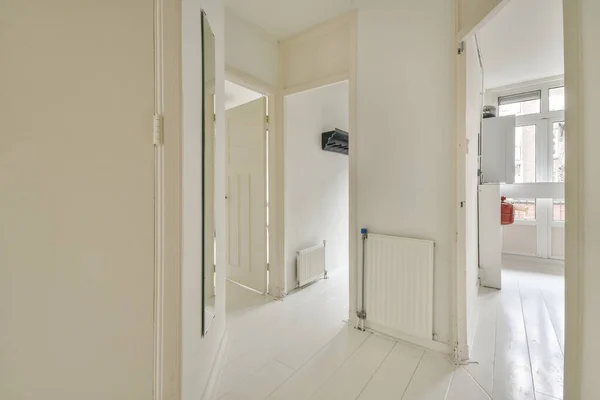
point(507, 212)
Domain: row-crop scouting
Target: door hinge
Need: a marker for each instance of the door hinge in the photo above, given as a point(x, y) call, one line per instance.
point(158, 129)
point(461, 47)
point(267, 122)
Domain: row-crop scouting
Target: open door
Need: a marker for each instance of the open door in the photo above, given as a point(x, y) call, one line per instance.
point(246, 194)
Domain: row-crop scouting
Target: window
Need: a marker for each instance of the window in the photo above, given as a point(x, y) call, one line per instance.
point(525, 154)
point(520, 104)
point(558, 152)
point(556, 97)
point(524, 209)
point(558, 210)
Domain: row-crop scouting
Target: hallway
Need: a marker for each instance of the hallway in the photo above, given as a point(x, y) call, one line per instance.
point(302, 349)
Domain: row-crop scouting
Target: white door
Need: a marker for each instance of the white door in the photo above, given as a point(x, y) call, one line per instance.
point(77, 200)
point(246, 194)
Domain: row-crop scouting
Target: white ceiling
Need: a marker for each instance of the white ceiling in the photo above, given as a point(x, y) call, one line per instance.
point(523, 42)
point(283, 18)
point(236, 95)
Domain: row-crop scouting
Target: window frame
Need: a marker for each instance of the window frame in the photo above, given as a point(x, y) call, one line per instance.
point(520, 97)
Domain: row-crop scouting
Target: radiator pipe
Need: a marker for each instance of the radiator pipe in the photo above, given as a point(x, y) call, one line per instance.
point(362, 313)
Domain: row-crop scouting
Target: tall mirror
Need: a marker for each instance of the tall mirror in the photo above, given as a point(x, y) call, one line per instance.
point(208, 175)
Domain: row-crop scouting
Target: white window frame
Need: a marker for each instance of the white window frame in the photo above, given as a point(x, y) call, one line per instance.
point(544, 151)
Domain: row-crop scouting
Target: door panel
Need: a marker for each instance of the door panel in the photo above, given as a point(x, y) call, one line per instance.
point(77, 203)
point(246, 189)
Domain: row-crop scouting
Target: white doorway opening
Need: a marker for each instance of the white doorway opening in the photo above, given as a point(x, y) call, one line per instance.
point(316, 199)
point(523, 85)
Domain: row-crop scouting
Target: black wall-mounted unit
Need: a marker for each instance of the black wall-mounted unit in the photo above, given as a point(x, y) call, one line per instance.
point(335, 141)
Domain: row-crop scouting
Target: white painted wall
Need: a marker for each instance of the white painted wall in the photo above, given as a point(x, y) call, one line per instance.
point(284, 18)
point(557, 242)
point(236, 95)
point(472, 12)
point(250, 50)
point(319, 54)
point(77, 203)
point(198, 354)
point(473, 123)
point(582, 191)
point(406, 125)
point(316, 181)
point(520, 239)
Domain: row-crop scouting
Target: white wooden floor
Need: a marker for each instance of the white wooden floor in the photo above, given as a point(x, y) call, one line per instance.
point(301, 348)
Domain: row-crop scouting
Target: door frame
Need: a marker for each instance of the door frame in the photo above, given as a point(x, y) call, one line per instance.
point(248, 81)
point(167, 217)
point(321, 77)
point(574, 192)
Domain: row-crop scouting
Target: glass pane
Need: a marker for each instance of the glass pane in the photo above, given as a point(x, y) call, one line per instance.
point(525, 154)
point(558, 153)
point(522, 108)
point(557, 98)
point(558, 210)
point(524, 208)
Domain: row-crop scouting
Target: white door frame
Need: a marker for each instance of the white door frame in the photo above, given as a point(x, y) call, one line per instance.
point(277, 186)
point(574, 196)
point(167, 252)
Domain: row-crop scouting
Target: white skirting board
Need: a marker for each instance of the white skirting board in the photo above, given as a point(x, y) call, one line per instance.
point(212, 387)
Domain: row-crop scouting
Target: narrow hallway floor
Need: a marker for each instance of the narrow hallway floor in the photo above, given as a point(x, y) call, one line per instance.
point(301, 348)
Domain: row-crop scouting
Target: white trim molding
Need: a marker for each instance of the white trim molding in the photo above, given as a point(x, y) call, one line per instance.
point(167, 268)
point(218, 368)
point(574, 197)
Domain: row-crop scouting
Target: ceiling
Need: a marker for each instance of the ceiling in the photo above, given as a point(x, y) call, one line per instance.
point(523, 42)
point(283, 18)
point(236, 95)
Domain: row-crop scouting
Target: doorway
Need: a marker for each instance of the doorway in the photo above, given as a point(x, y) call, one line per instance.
point(514, 122)
point(316, 196)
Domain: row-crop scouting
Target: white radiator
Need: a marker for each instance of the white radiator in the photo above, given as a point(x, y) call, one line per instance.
point(310, 264)
point(399, 285)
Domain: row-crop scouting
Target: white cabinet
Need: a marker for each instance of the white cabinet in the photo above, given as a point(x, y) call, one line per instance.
point(490, 236)
point(498, 149)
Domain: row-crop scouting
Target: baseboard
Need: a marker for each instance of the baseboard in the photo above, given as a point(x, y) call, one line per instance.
point(429, 344)
point(462, 353)
point(216, 374)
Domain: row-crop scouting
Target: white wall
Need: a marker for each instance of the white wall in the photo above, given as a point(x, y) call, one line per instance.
point(557, 242)
point(320, 54)
point(472, 12)
point(520, 239)
point(473, 125)
point(236, 95)
point(77, 202)
point(316, 182)
point(406, 126)
point(582, 191)
point(198, 354)
point(250, 50)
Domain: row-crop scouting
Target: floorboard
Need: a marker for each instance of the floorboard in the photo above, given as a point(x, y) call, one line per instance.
point(321, 367)
point(431, 379)
point(300, 348)
point(391, 379)
point(350, 379)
